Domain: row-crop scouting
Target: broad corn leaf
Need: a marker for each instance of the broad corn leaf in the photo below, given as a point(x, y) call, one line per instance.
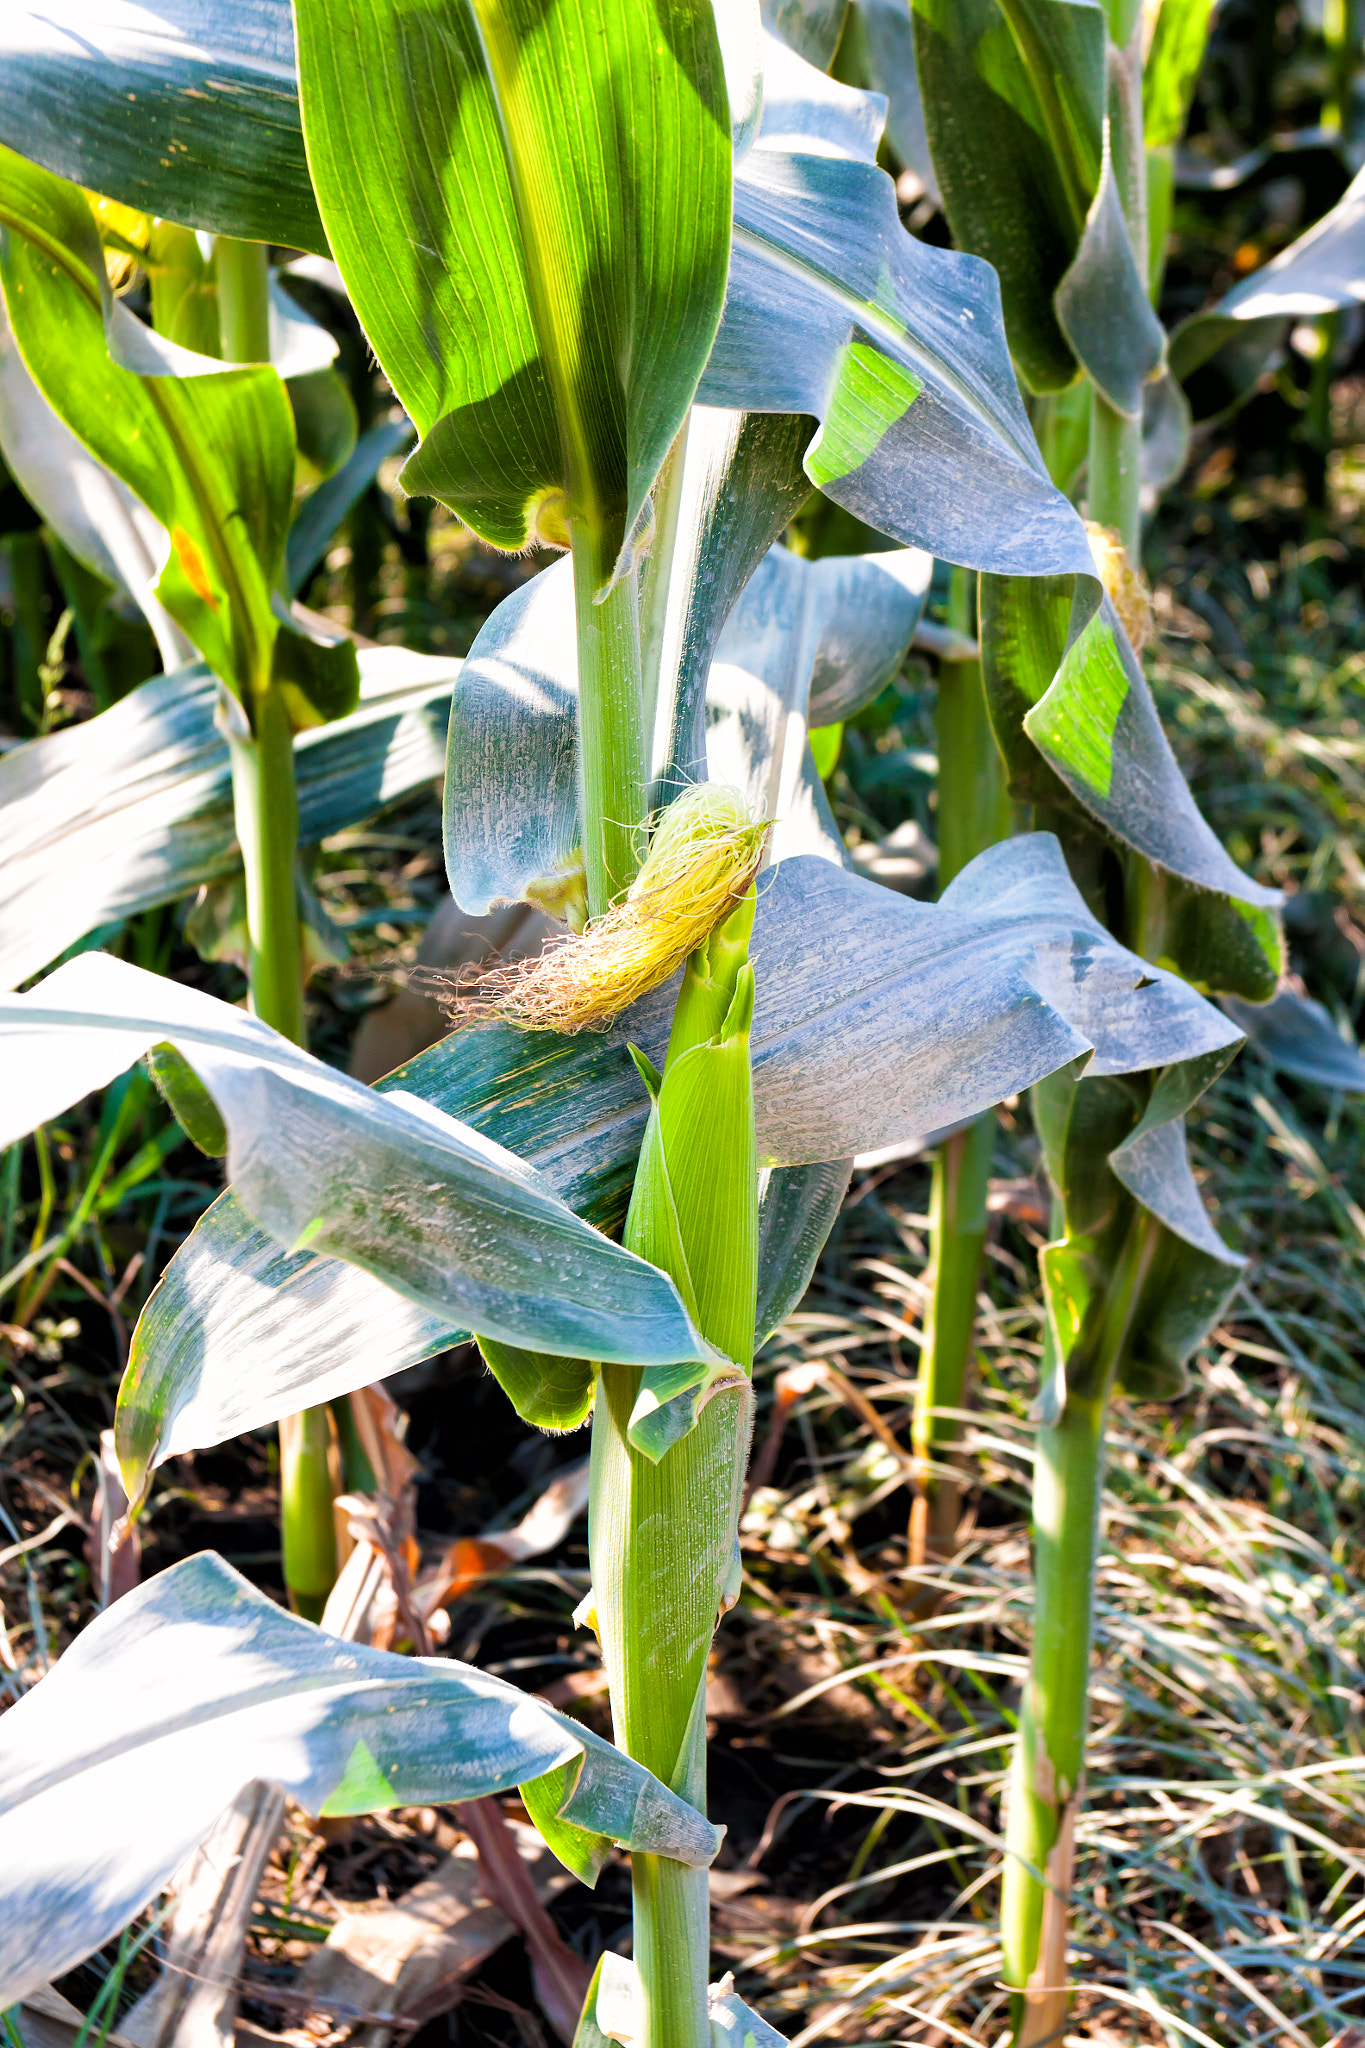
point(187, 109)
point(850, 1050)
point(457, 1224)
point(544, 295)
point(208, 450)
point(197, 1683)
point(1076, 723)
point(134, 808)
point(1016, 96)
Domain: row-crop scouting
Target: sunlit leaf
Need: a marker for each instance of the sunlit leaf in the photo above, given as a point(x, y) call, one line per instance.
point(134, 808)
point(195, 1684)
point(542, 319)
point(208, 451)
point(1219, 354)
point(897, 349)
point(87, 507)
point(187, 109)
point(877, 1018)
point(1076, 723)
point(387, 1182)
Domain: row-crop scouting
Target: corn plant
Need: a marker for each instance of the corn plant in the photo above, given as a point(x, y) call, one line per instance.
point(634, 272)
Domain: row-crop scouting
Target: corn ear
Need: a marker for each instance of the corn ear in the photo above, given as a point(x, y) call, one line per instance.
point(694, 1210)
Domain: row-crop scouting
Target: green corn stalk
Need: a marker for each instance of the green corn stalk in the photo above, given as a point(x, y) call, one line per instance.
point(973, 813)
point(669, 1449)
point(265, 803)
point(1048, 1778)
point(265, 807)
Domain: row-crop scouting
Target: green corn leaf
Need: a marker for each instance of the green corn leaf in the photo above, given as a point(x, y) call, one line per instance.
point(461, 1227)
point(1016, 97)
point(188, 112)
point(550, 1393)
point(134, 808)
point(1116, 1156)
point(832, 310)
point(1171, 68)
point(542, 320)
point(95, 516)
point(208, 451)
point(189, 1101)
point(849, 1052)
point(195, 1684)
point(1080, 734)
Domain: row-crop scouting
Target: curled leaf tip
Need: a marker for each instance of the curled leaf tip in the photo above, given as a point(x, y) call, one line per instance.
point(1126, 585)
point(703, 854)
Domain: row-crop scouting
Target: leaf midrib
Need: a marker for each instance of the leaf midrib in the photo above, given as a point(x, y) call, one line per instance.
point(528, 172)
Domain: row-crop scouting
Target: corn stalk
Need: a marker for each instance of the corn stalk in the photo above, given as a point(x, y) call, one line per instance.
point(973, 813)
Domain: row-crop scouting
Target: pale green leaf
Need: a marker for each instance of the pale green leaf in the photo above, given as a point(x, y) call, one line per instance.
point(92, 513)
point(461, 1227)
point(195, 1684)
point(208, 451)
point(134, 808)
point(877, 1018)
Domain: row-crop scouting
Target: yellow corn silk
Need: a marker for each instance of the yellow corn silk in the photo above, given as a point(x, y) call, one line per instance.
point(694, 1210)
point(702, 857)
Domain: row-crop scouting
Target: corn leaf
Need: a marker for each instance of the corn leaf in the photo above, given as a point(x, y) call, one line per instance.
point(195, 1684)
point(1016, 100)
point(877, 1018)
point(896, 348)
point(832, 310)
point(542, 319)
point(188, 111)
point(1220, 354)
point(134, 808)
point(319, 517)
point(1116, 1155)
point(811, 27)
point(1297, 1035)
point(91, 512)
point(1171, 68)
point(1080, 734)
point(889, 31)
point(387, 1182)
point(208, 451)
